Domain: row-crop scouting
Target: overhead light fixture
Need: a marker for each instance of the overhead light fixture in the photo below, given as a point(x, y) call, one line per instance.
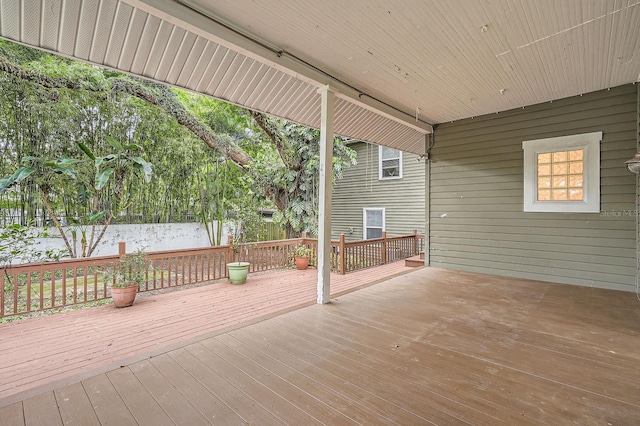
point(484, 29)
point(634, 164)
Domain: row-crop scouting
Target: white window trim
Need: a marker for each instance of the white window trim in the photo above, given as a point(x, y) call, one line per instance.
point(590, 142)
point(364, 219)
point(380, 177)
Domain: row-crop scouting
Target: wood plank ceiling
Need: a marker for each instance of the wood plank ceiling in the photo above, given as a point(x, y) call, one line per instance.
point(397, 65)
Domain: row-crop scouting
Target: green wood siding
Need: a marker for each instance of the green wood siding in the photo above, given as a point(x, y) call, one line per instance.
point(402, 199)
point(477, 219)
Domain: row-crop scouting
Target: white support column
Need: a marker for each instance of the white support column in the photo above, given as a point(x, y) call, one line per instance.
point(324, 213)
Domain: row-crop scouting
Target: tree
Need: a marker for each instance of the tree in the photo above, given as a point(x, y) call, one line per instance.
point(122, 164)
point(281, 158)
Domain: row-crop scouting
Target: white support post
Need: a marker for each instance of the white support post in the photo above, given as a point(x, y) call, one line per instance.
point(324, 213)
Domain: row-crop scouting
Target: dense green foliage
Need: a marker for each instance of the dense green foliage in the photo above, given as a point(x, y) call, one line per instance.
point(52, 106)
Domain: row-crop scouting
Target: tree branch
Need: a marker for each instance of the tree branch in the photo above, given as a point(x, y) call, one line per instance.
point(278, 141)
point(162, 97)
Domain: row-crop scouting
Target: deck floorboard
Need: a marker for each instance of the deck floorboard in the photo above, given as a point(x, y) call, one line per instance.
point(424, 346)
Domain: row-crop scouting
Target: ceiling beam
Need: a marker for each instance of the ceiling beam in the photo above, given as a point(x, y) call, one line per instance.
point(216, 30)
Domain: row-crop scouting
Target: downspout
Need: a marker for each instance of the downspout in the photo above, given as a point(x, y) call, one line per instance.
point(637, 194)
point(430, 140)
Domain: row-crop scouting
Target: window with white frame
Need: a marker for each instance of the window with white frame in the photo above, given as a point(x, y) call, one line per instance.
point(373, 220)
point(562, 174)
point(390, 163)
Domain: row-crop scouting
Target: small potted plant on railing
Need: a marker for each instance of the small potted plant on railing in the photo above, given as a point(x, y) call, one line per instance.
point(302, 255)
point(127, 275)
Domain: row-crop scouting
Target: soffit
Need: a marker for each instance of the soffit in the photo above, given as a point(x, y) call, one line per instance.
point(437, 61)
point(123, 37)
point(451, 59)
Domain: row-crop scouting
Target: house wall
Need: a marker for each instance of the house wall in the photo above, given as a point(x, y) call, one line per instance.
point(477, 222)
point(403, 199)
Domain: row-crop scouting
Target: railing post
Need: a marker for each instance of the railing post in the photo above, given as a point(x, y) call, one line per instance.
point(303, 236)
point(343, 263)
point(384, 247)
point(122, 248)
point(230, 256)
point(415, 241)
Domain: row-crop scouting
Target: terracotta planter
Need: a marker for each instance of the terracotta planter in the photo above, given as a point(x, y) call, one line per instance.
point(238, 272)
point(124, 296)
point(302, 263)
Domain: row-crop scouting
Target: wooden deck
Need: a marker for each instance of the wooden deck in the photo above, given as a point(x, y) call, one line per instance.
point(427, 346)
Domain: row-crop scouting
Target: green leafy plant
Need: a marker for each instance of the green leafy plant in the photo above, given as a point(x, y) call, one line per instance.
point(246, 223)
point(18, 243)
point(122, 164)
point(303, 251)
point(132, 268)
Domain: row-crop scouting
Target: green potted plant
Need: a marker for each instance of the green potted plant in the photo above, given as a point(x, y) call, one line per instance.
point(302, 255)
point(127, 275)
point(238, 270)
point(246, 223)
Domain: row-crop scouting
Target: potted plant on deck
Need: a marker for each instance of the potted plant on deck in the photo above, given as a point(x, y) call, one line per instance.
point(127, 275)
point(246, 224)
point(302, 255)
point(238, 270)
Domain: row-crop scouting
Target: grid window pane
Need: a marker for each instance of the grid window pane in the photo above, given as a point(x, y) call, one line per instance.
point(576, 194)
point(544, 170)
point(544, 182)
point(575, 181)
point(560, 168)
point(374, 218)
point(390, 168)
point(577, 155)
point(544, 158)
point(560, 181)
point(374, 233)
point(544, 195)
point(373, 223)
point(559, 194)
point(390, 163)
point(560, 176)
point(575, 168)
point(389, 153)
point(560, 157)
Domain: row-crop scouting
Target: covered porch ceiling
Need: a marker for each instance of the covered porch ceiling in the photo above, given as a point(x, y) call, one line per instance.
point(397, 67)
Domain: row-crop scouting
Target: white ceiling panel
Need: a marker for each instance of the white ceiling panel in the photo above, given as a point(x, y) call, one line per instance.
point(396, 65)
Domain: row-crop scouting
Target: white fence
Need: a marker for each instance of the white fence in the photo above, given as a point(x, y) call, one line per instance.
point(148, 236)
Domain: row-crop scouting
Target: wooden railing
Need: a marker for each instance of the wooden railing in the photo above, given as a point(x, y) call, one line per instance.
point(36, 287)
point(354, 255)
point(268, 255)
point(39, 286)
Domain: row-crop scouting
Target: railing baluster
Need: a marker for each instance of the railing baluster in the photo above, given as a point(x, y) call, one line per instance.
point(75, 285)
point(53, 288)
point(28, 292)
point(41, 288)
point(95, 283)
point(15, 293)
point(2, 288)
